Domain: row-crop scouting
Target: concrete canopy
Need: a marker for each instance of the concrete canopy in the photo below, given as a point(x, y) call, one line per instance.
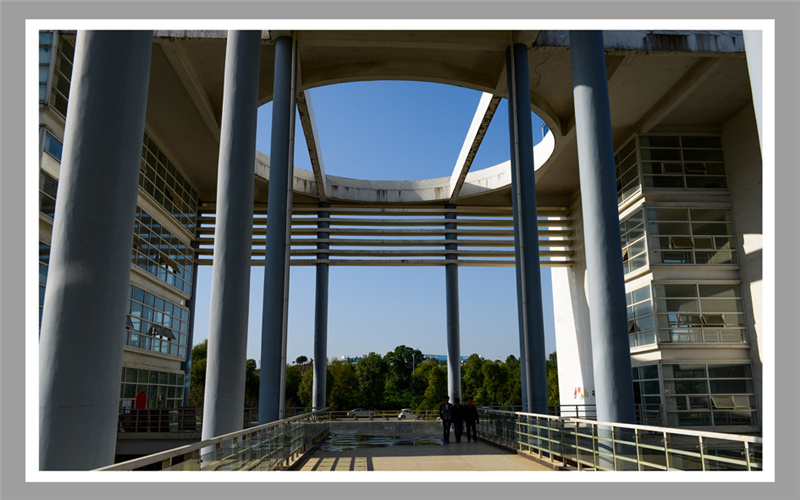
point(658, 81)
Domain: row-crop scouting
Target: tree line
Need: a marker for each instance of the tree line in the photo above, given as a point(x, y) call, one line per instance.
point(399, 379)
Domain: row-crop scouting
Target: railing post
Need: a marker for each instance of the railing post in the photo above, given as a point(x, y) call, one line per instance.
point(702, 455)
point(747, 454)
point(638, 450)
point(614, 447)
point(666, 450)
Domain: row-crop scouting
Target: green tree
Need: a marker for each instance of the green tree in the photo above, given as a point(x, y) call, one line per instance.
point(306, 389)
point(251, 382)
point(471, 376)
point(293, 379)
point(301, 360)
point(371, 375)
point(512, 395)
point(551, 368)
point(400, 365)
point(494, 381)
point(436, 388)
point(197, 380)
point(342, 386)
point(419, 382)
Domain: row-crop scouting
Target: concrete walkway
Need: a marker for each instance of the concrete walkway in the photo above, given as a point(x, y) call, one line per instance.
point(463, 456)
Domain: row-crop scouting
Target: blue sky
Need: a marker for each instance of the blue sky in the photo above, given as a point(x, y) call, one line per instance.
point(393, 131)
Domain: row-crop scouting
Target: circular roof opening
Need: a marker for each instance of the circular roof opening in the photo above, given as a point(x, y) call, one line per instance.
point(396, 130)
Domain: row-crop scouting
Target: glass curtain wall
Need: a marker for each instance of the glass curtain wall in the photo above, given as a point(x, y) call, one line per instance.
point(699, 395)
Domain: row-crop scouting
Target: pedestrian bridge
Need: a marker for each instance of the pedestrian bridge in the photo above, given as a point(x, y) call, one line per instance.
point(508, 441)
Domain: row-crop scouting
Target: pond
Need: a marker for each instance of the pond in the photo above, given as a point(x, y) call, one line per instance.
point(349, 442)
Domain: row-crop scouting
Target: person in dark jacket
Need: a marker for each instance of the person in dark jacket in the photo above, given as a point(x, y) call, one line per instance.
point(458, 419)
point(446, 414)
point(471, 419)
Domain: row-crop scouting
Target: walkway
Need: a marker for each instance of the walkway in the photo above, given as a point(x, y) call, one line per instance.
point(463, 456)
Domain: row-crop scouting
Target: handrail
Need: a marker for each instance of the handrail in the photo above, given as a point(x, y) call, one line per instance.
point(194, 450)
point(603, 445)
point(671, 430)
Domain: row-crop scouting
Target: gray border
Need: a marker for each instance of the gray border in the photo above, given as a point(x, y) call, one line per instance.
point(11, 300)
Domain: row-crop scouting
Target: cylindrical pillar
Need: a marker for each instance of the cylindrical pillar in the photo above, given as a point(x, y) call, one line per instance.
point(453, 324)
point(83, 323)
point(278, 225)
point(526, 232)
point(607, 312)
point(321, 318)
point(223, 409)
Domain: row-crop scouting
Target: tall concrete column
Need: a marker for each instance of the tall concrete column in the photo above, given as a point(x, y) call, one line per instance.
point(453, 324)
point(279, 212)
point(321, 318)
point(83, 323)
point(526, 233)
point(607, 314)
point(223, 409)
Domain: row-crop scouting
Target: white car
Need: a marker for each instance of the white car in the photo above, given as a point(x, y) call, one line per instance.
point(406, 414)
point(361, 412)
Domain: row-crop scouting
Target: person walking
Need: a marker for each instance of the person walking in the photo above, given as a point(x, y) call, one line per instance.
point(446, 414)
point(458, 419)
point(471, 419)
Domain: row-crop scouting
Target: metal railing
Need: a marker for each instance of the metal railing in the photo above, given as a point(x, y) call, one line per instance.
point(265, 447)
point(381, 415)
point(588, 444)
point(161, 420)
point(646, 414)
point(190, 419)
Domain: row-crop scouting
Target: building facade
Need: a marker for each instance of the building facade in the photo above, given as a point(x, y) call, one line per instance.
point(690, 228)
point(157, 334)
point(675, 115)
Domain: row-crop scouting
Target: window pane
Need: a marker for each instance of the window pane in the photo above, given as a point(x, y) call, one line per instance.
point(652, 387)
point(712, 228)
point(699, 141)
point(686, 386)
point(676, 291)
point(678, 305)
point(721, 305)
point(719, 291)
point(729, 371)
point(650, 371)
point(667, 214)
point(696, 402)
point(731, 386)
point(671, 141)
point(711, 214)
point(684, 371)
point(671, 228)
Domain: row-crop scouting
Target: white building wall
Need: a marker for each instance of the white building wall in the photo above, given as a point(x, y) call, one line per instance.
point(744, 168)
point(571, 317)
